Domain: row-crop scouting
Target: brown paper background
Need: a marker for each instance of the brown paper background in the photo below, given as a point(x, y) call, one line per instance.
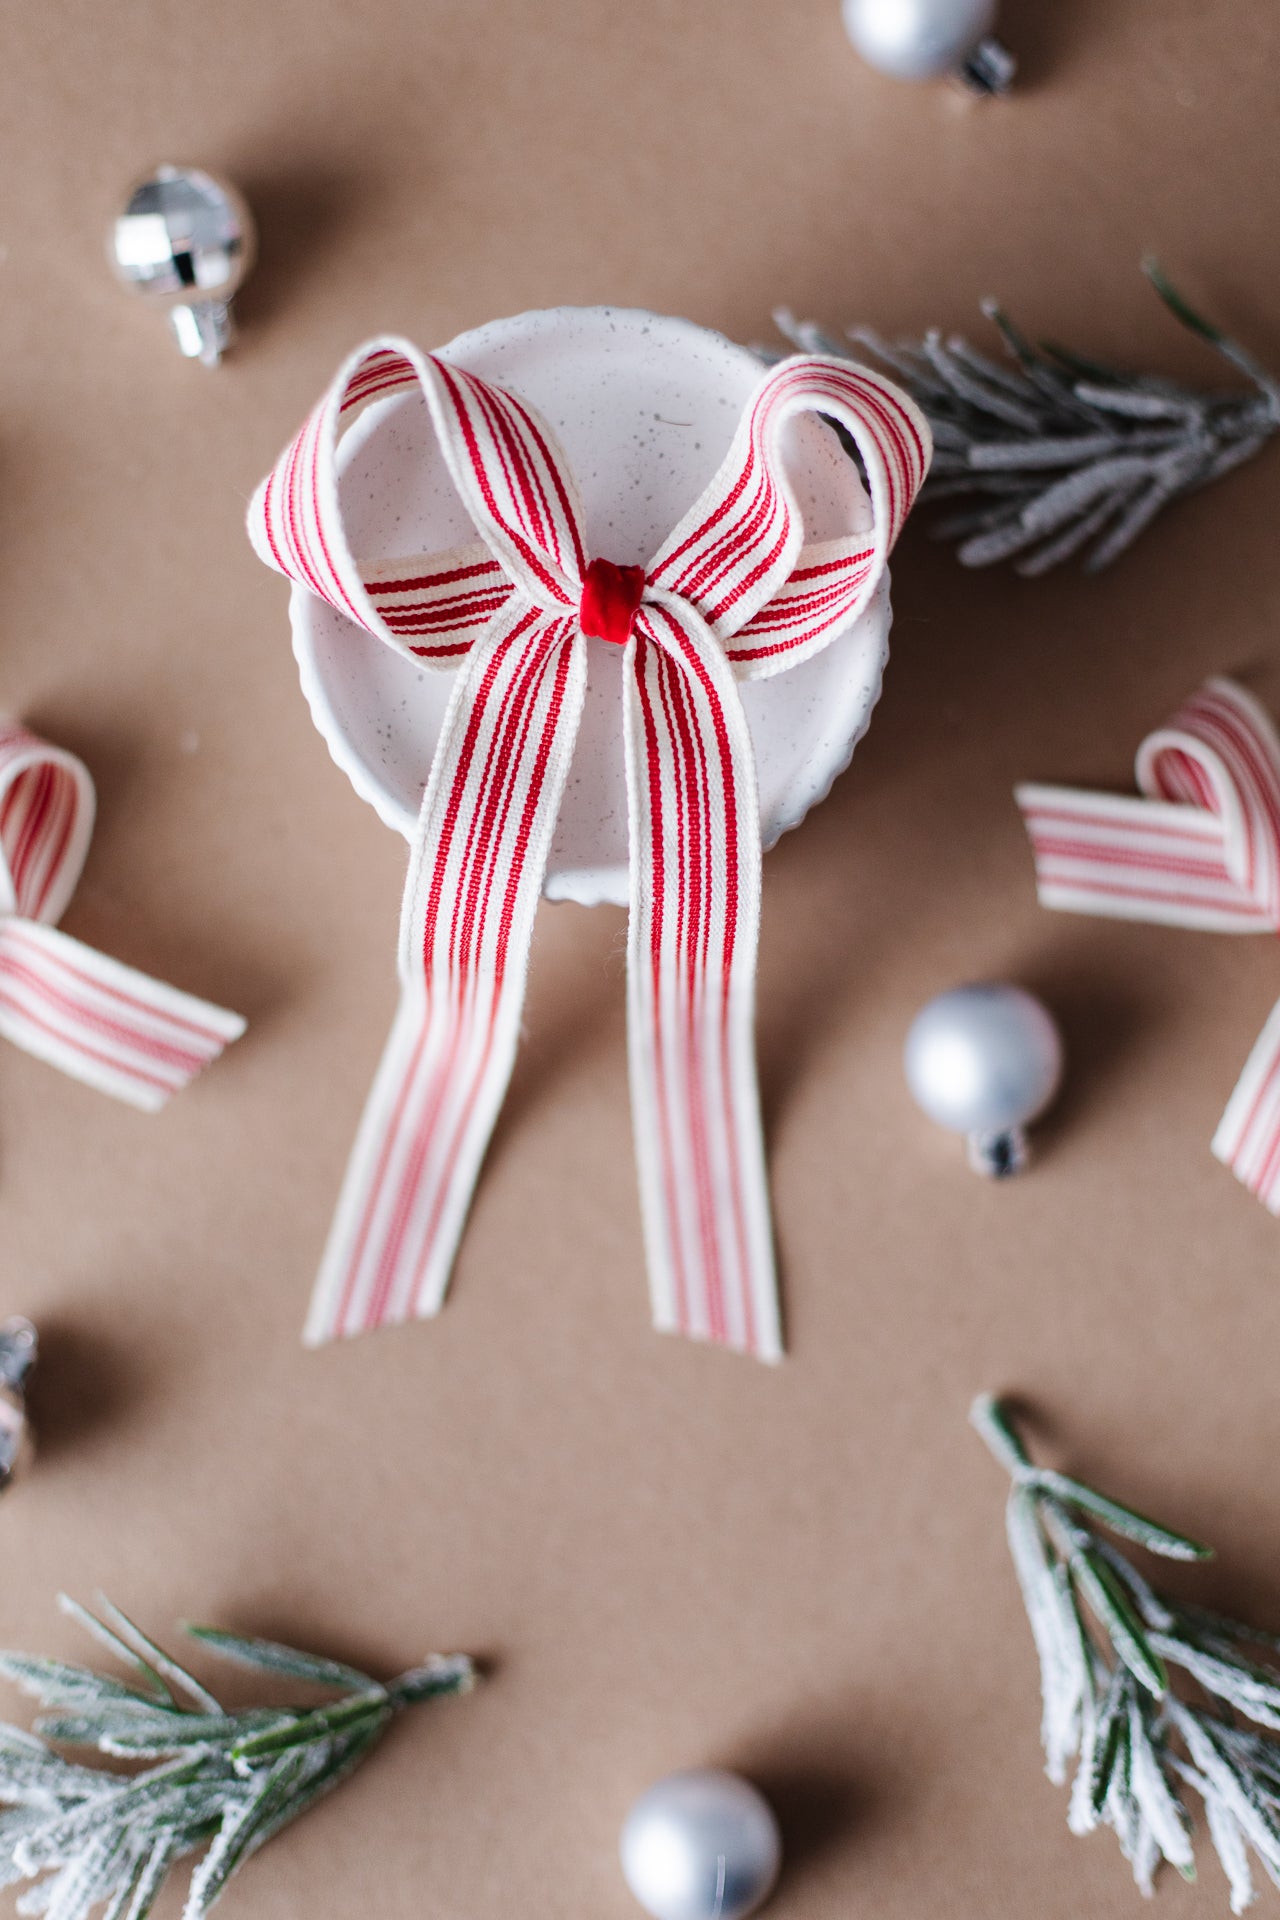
point(671, 1557)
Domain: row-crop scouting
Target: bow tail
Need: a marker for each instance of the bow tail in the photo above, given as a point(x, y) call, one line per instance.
point(695, 910)
point(475, 876)
point(101, 1022)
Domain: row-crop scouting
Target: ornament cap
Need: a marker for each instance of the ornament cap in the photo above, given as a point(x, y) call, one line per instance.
point(998, 1155)
point(18, 1348)
point(203, 331)
point(990, 68)
point(19, 1344)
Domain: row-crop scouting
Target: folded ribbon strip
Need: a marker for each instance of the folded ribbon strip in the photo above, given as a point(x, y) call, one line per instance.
point(103, 1023)
point(1203, 850)
point(731, 594)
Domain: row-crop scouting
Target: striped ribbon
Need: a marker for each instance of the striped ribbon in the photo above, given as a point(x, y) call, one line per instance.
point(1201, 850)
point(106, 1024)
point(732, 594)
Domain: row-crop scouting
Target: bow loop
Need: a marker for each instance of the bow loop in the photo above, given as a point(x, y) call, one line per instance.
point(510, 476)
point(1220, 753)
point(46, 823)
point(738, 556)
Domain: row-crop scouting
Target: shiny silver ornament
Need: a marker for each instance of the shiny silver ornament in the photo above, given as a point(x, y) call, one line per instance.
point(186, 240)
point(984, 1061)
point(18, 1345)
point(701, 1846)
point(923, 39)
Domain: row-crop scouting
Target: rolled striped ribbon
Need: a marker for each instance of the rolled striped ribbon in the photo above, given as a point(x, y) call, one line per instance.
point(732, 594)
point(1202, 849)
point(114, 1028)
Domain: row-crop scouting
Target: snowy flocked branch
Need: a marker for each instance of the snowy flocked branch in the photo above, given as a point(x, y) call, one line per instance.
point(1107, 1641)
point(1054, 454)
point(210, 1778)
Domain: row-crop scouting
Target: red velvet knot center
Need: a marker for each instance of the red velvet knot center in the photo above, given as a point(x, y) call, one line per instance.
point(611, 597)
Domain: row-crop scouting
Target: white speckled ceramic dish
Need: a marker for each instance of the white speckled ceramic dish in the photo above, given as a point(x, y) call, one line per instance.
point(645, 409)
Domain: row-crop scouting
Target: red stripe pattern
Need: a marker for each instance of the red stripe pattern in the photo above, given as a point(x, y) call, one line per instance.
point(106, 1024)
point(1202, 849)
point(734, 593)
point(738, 556)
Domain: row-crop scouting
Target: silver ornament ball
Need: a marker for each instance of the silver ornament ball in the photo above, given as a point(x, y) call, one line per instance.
point(701, 1846)
point(922, 39)
point(185, 239)
point(984, 1061)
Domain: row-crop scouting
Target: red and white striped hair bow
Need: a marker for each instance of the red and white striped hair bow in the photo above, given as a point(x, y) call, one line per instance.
point(103, 1023)
point(1202, 850)
point(733, 593)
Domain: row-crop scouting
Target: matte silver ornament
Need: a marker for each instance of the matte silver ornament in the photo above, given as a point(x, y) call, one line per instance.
point(18, 1344)
point(923, 39)
point(701, 1846)
point(186, 240)
point(984, 1061)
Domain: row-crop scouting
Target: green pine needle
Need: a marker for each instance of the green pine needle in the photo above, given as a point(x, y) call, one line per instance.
point(222, 1780)
point(1107, 1642)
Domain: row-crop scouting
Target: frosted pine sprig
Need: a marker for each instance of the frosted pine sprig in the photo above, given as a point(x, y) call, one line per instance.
point(215, 1779)
point(1055, 454)
point(1107, 1640)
